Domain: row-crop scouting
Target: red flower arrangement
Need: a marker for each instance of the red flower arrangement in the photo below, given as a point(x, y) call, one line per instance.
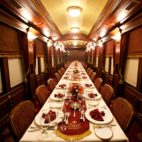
point(76, 89)
point(76, 71)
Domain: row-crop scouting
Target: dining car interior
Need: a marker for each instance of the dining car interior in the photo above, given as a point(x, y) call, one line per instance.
point(70, 70)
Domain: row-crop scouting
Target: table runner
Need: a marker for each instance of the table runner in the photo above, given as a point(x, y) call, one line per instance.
point(76, 128)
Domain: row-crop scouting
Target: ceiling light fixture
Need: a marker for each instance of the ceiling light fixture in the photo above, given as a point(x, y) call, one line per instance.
point(75, 29)
point(75, 43)
point(74, 11)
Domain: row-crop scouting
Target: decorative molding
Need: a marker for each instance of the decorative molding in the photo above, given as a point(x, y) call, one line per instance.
point(109, 8)
point(40, 55)
point(76, 36)
point(12, 55)
point(37, 7)
point(10, 20)
point(106, 56)
point(133, 23)
point(108, 17)
point(134, 55)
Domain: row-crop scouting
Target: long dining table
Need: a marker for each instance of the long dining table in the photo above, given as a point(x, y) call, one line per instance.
point(75, 111)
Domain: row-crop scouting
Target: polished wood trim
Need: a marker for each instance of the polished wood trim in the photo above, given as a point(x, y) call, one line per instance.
point(9, 100)
point(5, 75)
point(132, 95)
point(109, 8)
point(139, 80)
point(41, 79)
point(132, 23)
point(7, 17)
point(37, 7)
point(76, 36)
point(108, 17)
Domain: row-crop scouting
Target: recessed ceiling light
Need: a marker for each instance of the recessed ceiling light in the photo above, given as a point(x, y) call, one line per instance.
point(74, 11)
point(75, 29)
point(75, 43)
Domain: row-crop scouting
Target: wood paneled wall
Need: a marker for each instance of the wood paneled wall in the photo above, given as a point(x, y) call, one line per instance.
point(76, 54)
point(15, 43)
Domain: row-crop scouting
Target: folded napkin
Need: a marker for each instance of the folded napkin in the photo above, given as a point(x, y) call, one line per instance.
point(59, 95)
point(50, 116)
point(97, 115)
point(88, 85)
point(92, 95)
point(62, 85)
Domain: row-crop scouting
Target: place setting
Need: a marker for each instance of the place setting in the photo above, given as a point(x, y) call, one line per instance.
point(46, 121)
point(57, 96)
point(62, 86)
point(101, 119)
point(92, 95)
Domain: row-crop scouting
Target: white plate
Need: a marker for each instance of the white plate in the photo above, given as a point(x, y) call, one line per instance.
point(90, 85)
point(96, 97)
point(93, 103)
point(55, 105)
point(52, 97)
point(59, 87)
point(104, 133)
point(40, 121)
point(107, 117)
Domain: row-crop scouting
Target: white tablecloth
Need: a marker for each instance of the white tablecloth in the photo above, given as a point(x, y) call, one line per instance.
point(118, 134)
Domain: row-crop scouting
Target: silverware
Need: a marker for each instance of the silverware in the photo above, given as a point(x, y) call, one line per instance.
point(102, 126)
point(34, 128)
point(67, 117)
point(82, 117)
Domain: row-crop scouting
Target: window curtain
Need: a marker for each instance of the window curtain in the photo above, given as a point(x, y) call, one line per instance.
point(23, 41)
point(118, 78)
point(123, 53)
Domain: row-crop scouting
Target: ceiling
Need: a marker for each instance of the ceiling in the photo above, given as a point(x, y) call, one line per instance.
point(57, 10)
point(49, 18)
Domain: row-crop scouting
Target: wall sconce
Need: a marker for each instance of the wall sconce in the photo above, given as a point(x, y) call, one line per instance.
point(100, 43)
point(49, 43)
point(31, 36)
point(117, 37)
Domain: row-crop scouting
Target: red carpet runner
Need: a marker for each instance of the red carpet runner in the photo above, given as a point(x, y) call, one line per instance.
point(76, 128)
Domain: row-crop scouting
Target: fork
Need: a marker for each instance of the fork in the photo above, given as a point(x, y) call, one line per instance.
point(102, 126)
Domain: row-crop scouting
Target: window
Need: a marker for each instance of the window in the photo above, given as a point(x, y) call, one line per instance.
point(107, 64)
point(15, 71)
point(131, 71)
point(112, 69)
point(97, 60)
point(36, 67)
point(42, 64)
point(0, 82)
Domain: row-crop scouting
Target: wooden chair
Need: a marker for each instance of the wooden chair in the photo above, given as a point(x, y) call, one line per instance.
point(63, 70)
point(98, 83)
point(42, 93)
point(88, 69)
point(85, 67)
point(51, 83)
point(60, 72)
point(123, 112)
point(57, 75)
point(93, 75)
point(21, 117)
point(90, 72)
point(67, 65)
point(107, 92)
